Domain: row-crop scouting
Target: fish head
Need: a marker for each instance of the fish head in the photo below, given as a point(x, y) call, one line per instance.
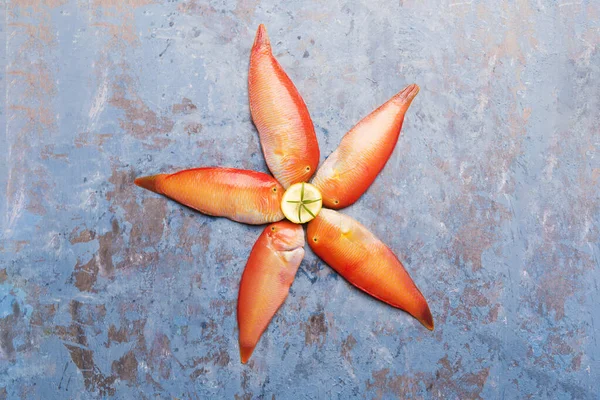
point(286, 236)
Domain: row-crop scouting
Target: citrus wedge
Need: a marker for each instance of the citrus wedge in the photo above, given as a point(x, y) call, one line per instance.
point(301, 202)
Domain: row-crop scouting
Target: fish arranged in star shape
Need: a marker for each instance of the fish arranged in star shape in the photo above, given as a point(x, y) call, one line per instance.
point(291, 150)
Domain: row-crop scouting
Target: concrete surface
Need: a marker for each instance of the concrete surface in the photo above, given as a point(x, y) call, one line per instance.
point(491, 199)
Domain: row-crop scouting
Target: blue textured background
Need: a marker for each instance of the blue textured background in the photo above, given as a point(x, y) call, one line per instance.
point(491, 199)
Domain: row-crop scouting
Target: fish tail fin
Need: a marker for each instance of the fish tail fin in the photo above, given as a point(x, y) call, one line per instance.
point(262, 38)
point(150, 182)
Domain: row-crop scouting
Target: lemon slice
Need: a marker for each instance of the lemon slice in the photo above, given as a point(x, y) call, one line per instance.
point(301, 203)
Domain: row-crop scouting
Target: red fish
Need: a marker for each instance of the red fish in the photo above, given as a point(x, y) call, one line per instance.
point(244, 196)
point(266, 281)
point(287, 134)
point(353, 166)
point(367, 263)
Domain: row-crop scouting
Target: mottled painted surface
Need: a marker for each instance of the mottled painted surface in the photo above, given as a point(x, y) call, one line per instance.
point(491, 199)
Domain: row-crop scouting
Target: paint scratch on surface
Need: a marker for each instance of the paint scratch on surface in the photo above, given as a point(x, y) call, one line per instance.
point(98, 103)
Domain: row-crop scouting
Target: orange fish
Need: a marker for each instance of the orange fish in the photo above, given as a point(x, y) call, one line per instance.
point(287, 134)
point(367, 263)
point(353, 166)
point(266, 281)
point(244, 196)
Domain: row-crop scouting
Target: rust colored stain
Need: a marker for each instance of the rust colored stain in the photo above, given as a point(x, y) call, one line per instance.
point(38, 77)
point(480, 303)
point(33, 8)
point(120, 335)
point(38, 198)
point(83, 236)
point(185, 107)
point(91, 139)
point(35, 5)
point(126, 367)
point(139, 120)
point(193, 128)
point(347, 346)
point(146, 224)
point(85, 275)
point(315, 330)
point(77, 344)
point(560, 279)
point(383, 383)
point(447, 379)
point(196, 7)
point(122, 5)
point(223, 307)
point(7, 333)
point(220, 358)
point(48, 153)
point(122, 34)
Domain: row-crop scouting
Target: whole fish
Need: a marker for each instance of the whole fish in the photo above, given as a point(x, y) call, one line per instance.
point(244, 196)
point(287, 134)
point(266, 280)
point(367, 263)
point(353, 166)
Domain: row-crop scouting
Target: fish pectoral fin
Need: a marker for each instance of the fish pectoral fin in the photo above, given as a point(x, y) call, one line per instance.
point(293, 257)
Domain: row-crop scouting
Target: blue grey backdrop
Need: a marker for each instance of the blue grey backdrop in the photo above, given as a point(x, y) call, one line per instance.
point(491, 199)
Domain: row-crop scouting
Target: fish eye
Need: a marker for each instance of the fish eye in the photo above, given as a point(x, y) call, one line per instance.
point(274, 189)
point(336, 202)
point(273, 228)
point(314, 239)
point(307, 168)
